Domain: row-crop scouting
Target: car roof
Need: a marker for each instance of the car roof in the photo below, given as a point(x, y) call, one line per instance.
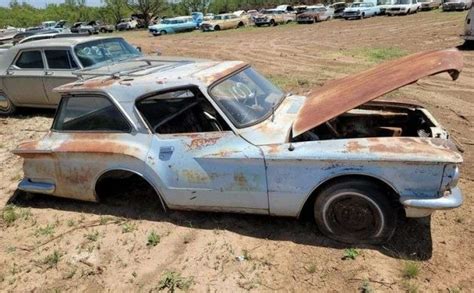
point(165, 73)
point(60, 42)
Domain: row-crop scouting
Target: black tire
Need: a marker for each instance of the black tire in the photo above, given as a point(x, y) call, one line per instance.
point(258, 25)
point(272, 22)
point(163, 32)
point(240, 25)
point(362, 16)
point(103, 30)
point(217, 28)
point(6, 106)
point(355, 211)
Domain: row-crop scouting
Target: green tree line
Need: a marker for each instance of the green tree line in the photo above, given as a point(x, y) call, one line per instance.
point(25, 15)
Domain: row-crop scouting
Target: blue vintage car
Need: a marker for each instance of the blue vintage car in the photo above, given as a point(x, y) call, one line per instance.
point(360, 10)
point(173, 25)
point(218, 136)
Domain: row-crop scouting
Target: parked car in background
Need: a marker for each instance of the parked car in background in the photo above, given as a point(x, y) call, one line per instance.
point(272, 17)
point(403, 7)
point(224, 22)
point(127, 24)
point(173, 25)
point(360, 10)
point(429, 4)
point(338, 9)
point(50, 36)
point(102, 27)
point(84, 28)
point(198, 18)
point(219, 136)
point(21, 35)
point(459, 5)
point(29, 72)
point(469, 27)
point(315, 14)
point(384, 4)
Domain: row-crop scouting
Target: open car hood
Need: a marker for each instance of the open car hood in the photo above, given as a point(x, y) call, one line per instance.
point(342, 95)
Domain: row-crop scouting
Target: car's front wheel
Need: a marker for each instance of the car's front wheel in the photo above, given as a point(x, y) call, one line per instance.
point(355, 211)
point(6, 106)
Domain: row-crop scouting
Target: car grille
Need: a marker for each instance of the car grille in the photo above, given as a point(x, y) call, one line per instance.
point(394, 9)
point(351, 13)
point(260, 19)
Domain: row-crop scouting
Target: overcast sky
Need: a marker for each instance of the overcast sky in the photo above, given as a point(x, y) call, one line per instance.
point(43, 3)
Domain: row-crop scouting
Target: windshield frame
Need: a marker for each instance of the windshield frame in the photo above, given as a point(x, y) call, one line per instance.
point(230, 117)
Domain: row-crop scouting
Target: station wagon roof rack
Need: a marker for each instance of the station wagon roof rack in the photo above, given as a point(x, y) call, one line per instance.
point(150, 66)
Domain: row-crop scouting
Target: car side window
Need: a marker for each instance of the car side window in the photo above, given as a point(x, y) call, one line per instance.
point(89, 114)
point(60, 59)
point(30, 60)
point(181, 111)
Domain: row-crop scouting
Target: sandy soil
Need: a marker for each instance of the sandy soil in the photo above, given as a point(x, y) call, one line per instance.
point(64, 245)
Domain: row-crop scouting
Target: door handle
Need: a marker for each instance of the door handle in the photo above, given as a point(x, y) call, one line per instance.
point(48, 73)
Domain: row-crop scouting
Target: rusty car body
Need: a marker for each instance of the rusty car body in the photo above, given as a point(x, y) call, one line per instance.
point(224, 22)
point(272, 17)
point(218, 136)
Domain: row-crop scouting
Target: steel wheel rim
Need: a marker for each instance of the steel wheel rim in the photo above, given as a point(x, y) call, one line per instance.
point(353, 214)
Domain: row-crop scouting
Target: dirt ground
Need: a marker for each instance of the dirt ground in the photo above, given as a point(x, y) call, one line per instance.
point(130, 244)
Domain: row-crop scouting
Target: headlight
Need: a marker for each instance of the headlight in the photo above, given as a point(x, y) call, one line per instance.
point(451, 177)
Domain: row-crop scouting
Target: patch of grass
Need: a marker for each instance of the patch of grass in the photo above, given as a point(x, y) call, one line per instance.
point(410, 287)
point(9, 214)
point(288, 82)
point(45, 231)
point(377, 55)
point(454, 290)
point(410, 270)
point(366, 288)
point(52, 260)
point(92, 236)
point(71, 223)
point(153, 239)
point(350, 253)
point(173, 280)
point(311, 268)
point(128, 227)
point(246, 254)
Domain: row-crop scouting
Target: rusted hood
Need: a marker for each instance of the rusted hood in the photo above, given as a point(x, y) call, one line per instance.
point(342, 95)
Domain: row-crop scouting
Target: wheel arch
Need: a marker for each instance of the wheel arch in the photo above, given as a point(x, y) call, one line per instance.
point(311, 197)
point(106, 172)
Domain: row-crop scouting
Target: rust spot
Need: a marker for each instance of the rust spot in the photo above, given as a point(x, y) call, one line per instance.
point(354, 147)
point(213, 77)
point(199, 143)
point(193, 176)
point(94, 83)
point(241, 181)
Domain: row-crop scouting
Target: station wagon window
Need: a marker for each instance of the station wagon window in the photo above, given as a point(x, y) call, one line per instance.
point(30, 60)
point(180, 111)
point(60, 59)
point(86, 113)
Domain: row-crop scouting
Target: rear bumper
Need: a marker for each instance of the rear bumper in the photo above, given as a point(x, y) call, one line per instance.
point(36, 187)
point(416, 207)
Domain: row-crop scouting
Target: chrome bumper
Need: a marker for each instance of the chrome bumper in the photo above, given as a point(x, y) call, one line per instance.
point(36, 187)
point(416, 207)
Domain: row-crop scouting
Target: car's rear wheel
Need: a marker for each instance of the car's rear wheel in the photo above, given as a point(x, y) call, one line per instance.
point(6, 106)
point(355, 211)
point(240, 25)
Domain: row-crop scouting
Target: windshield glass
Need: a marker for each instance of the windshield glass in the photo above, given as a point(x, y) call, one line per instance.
point(402, 1)
point(356, 5)
point(107, 50)
point(247, 97)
